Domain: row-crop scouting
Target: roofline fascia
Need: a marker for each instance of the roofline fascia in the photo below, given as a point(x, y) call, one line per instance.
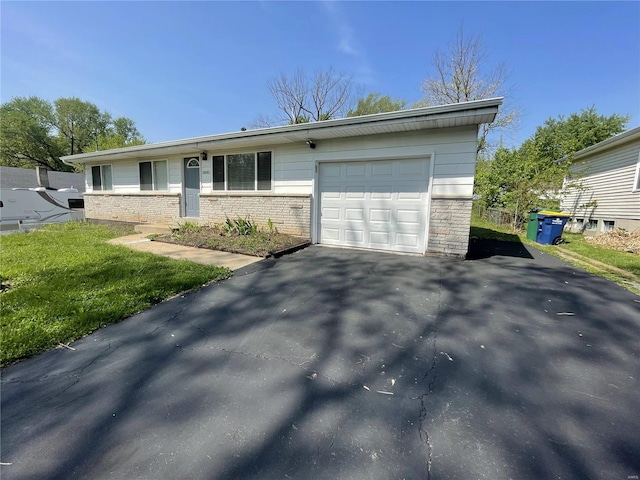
point(414, 113)
point(619, 139)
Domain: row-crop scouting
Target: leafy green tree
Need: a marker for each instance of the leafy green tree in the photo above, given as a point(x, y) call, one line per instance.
point(78, 123)
point(122, 132)
point(36, 132)
point(375, 103)
point(26, 134)
point(532, 175)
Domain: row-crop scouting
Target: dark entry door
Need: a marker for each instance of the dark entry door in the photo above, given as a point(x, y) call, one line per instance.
point(192, 187)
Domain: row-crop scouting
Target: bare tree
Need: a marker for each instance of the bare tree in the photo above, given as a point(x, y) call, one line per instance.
point(325, 95)
point(331, 93)
point(461, 75)
point(290, 94)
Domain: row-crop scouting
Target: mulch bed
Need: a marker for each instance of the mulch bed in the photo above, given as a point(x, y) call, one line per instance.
point(261, 244)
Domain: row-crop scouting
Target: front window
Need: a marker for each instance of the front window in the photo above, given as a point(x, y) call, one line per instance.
point(242, 171)
point(101, 177)
point(153, 175)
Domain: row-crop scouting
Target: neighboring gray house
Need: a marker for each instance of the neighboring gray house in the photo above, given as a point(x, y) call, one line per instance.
point(399, 181)
point(606, 185)
point(12, 177)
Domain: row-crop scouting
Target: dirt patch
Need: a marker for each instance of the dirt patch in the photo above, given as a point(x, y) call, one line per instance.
point(259, 244)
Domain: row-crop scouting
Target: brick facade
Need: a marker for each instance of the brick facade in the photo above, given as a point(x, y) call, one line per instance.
point(139, 208)
point(289, 213)
point(449, 221)
point(449, 225)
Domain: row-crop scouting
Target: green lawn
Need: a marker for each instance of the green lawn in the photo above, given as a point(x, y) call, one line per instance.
point(629, 262)
point(66, 281)
point(624, 260)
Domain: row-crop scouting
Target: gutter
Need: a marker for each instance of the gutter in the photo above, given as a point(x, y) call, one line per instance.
point(306, 129)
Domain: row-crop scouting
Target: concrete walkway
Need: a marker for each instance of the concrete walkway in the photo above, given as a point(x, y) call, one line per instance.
point(141, 243)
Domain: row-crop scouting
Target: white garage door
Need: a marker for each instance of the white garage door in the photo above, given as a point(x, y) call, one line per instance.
point(377, 204)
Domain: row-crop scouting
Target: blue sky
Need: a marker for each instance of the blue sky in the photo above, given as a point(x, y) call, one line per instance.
point(185, 69)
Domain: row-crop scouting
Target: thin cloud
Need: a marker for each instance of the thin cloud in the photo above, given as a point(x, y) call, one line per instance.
point(347, 41)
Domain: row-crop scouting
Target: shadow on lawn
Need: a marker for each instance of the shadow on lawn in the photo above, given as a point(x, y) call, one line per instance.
point(263, 376)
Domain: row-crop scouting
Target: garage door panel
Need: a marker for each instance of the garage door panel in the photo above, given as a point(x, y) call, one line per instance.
point(331, 234)
point(407, 240)
point(355, 192)
point(380, 239)
point(332, 192)
point(377, 215)
point(382, 169)
point(381, 204)
point(354, 214)
point(409, 195)
point(331, 170)
point(381, 191)
point(331, 213)
point(408, 216)
point(356, 170)
point(354, 236)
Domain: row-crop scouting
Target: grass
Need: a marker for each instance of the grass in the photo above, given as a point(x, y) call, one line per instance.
point(225, 237)
point(623, 260)
point(574, 242)
point(65, 281)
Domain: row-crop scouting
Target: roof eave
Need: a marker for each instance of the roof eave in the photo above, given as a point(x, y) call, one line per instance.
point(620, 139)
point(486, 109)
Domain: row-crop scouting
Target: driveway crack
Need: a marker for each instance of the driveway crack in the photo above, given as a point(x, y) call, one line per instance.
point(430, 377)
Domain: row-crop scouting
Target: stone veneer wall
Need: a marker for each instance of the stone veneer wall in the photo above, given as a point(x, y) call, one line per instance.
point(289, 213)
point(449, 226)
point(140, 207)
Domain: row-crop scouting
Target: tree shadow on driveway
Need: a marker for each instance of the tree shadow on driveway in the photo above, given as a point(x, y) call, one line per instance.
point(333, 363)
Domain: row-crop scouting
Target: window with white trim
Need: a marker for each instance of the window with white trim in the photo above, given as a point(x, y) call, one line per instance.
point(153, 175)
point(101, 178)
point(636, 180)
point(242, 171)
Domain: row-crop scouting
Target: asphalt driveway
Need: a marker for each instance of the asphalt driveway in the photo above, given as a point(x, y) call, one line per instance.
point(336, 364)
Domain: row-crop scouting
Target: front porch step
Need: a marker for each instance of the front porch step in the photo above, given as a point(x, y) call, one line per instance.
point(150, 228)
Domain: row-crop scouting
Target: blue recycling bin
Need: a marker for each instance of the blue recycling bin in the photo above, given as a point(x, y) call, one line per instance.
point(550, 227)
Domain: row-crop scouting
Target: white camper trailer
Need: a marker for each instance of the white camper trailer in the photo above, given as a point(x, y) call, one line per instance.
point(24, 208)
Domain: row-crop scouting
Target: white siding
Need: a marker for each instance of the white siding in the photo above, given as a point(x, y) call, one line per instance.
point(294, 165)
point(126, 175)
point(454, 151)
point(607, 178)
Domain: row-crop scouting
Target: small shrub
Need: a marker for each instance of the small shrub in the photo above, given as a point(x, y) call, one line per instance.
point(239, 226)
point(271, 227)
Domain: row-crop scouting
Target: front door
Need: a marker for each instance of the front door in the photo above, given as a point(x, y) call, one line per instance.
point(192, 187)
